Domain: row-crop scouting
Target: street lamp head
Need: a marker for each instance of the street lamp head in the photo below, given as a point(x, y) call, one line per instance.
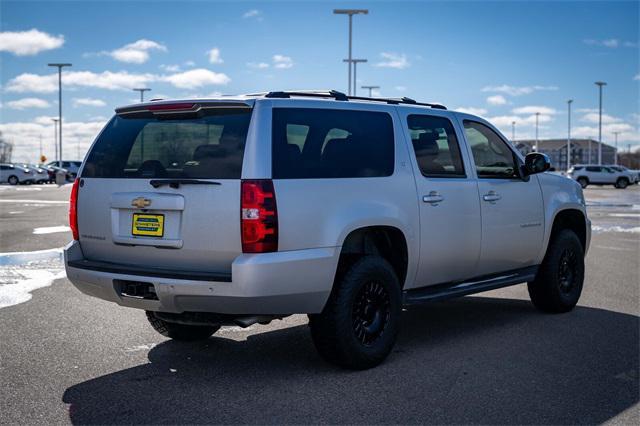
point(570, 101)
point(355, 61)
point(59, 65)
point(600, 83)
point(351, 11)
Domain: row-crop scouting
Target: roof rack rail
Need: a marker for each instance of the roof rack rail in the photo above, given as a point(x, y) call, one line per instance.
point(339, 96)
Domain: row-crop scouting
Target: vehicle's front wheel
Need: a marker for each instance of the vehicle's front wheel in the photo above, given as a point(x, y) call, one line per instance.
point(13, 180)
point(584, 182)
point(180, 331)
point(622, 183)
point(359, 325)
point(558, 284)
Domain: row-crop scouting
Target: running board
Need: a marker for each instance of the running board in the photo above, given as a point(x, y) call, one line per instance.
point(450, 290)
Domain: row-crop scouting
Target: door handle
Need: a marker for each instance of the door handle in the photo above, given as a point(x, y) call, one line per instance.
point(433, 198)
point(492, 196)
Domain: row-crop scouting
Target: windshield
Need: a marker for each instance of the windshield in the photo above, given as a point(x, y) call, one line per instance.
point(208, 147)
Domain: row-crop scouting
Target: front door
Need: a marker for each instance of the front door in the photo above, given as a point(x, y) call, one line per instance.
point(450, 221)
point(512, 208)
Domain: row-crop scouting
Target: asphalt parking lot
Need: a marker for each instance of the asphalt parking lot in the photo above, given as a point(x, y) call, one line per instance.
point(490, 358)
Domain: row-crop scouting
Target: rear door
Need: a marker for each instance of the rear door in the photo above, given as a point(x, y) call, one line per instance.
point(161, 187)
point(512, 208)
point(450, 222)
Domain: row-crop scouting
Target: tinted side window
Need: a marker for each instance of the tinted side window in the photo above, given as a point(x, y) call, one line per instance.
point(492, 157)
point(594, 169)
point(435, 145)
point(323, 143)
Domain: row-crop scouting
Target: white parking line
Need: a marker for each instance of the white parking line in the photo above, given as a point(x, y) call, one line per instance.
point(34, 201)
point(51, 229)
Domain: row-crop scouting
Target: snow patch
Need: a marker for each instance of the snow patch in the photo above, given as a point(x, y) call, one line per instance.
point(28, 189)
point(51, 229)
point(633, 230)
point(23, 272)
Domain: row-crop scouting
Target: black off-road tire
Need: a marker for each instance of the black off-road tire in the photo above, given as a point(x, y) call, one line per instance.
point(558, 284)
point(180, 331)
point(584, 182)
point(359, 325)
point(622, 183)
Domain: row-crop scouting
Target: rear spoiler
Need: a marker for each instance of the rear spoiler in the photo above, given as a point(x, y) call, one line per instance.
point(180, 107)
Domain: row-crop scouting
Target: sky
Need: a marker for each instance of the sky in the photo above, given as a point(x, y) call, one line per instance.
point(501, 60)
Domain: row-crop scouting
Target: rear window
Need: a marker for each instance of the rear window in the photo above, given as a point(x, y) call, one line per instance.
point(317, 143)
point(208, 147)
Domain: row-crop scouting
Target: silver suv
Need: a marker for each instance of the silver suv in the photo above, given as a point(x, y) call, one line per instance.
point(593, 174)
point(241, 210)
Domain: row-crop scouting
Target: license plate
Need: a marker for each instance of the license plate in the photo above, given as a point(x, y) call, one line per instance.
point(148, 225)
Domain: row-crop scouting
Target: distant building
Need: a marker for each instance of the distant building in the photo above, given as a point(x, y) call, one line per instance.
point(6, 148)
point(556, 149)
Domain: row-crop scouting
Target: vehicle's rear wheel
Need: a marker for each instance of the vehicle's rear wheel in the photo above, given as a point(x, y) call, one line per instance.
point(558, 285)
point(622, 183)
point(359, 325)
point(180, 331)
point(13, 180)
point(584, 182)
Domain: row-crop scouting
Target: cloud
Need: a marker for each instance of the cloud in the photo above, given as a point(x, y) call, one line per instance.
point(504, 121)
point(121, 80)
point(27, 103)
point(533, 109)
point(32, 42)
point(136, 52)
point(611, 43)
point(496, 100)
point(636, 77)
point(517, 90)
point(171, 68)
point(258, 65)
point(401, 88)
point(88, 102)
point(214, 56)
point(77, 137)
point(593, 117)
point(282, 62)
point(196, 78)
point(393, 60)
point(472, 110)
point(253, 13)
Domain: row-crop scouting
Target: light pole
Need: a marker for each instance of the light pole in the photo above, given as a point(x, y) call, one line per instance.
point(513, 131)
point(55, 136)
point(615, 159)
point(60, 66)
point(371, 88)
point(535, 149)
point(569, 102)
point(142, 90)
point(589, 138)
point(600, 84)
point(355, 63)
point(350, 12)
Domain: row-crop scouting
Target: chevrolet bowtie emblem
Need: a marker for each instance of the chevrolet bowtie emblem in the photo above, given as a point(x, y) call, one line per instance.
point(141, 202)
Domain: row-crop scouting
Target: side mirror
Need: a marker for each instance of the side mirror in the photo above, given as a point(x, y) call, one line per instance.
point(536, 162)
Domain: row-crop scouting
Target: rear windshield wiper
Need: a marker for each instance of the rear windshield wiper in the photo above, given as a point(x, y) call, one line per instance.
point(175, 183)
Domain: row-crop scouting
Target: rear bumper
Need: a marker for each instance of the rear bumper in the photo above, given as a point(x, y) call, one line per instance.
point(284, 283)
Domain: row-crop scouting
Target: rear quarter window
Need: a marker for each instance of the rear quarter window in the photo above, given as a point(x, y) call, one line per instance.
point(315, 143)
point(207, 147)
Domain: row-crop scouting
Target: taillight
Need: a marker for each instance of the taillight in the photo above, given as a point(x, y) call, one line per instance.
point(258, 216)
point(73, 209)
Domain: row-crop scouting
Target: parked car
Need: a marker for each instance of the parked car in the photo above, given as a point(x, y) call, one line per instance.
point(592, 174)
point(633, 174)
point(72, 167)
point(350, 208)
point(52, 170)
point(39, 173)
point(15, 174)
